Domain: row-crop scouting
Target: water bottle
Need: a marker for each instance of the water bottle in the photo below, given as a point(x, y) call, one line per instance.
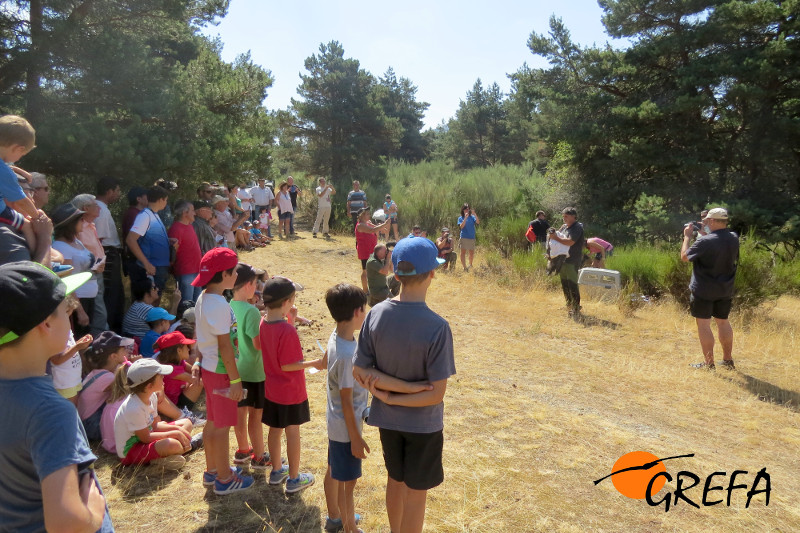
point(226, 392)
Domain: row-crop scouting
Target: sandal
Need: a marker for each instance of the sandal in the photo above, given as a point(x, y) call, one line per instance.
point(703, 366)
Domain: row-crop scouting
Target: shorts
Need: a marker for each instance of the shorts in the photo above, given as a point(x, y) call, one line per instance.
point(71, 392)
point(344, 465)
point(141, 453)
point(222, 411)
point(413, 458)
point(285, 215)
point(394, 221)
point(278, 415)
point(701, 308)
point(466, 244)
point(255, 394)
point(364, 264)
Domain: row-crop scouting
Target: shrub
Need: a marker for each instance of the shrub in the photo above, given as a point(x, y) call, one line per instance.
point(506, 234)
point(646, 266)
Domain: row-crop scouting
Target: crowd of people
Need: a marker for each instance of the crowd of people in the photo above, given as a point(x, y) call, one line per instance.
point(75, 366)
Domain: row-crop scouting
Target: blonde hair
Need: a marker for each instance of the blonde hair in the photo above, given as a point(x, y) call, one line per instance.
point(16, 130)
point(119, 388)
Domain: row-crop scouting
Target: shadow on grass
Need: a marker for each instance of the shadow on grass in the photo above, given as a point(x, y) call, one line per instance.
point(768, 392)
point(591, 321)
point(137, 481)
point(263, 508)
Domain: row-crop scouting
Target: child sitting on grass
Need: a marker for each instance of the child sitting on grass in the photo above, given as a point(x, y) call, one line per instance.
point(67, 367)
point(159, 321)
point(251, 370)
point(347, 401)
point(179, 386)
point(141, 437)
point(257, 235)
point(286, 405)
point(107, 352)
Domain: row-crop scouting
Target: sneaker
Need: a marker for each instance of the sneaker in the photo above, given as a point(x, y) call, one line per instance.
point(703, 366)
point(301, 482)
point(335, 525)
point(235, 484)
point(240, 457)
point(260, 463)
point(170, 462)
point(197, 421)
point(276, 477)
point(326, 235)
point(727, 365)
point(210, 477)
point(197, 442)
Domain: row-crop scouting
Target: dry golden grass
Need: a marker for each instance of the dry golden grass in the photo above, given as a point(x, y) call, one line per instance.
point(541, 406)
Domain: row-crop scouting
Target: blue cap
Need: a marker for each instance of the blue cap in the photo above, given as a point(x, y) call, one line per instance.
point(420, 252)
point(158, 313)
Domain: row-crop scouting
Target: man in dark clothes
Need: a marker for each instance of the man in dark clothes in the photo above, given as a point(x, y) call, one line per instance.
point(573, 230)
point(539, 226)
point(714, 258)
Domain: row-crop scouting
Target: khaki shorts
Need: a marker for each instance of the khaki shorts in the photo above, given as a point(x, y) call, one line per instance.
point(466, 244)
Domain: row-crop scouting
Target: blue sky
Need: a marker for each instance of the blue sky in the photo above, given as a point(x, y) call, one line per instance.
point(442, 46)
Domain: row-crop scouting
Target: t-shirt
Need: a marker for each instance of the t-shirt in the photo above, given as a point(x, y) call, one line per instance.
point(9, 185)
point(41, 434)
point(293, 191)
point(410, 342)
point(246, 199)
point(213, 317)
point(82, 261)
point(340, 376)
point(225, 224)
point(205, 235)
point(324, 200)
point(575, 234)
point(280, 345)
point(187, 259)
point(153, 239)
point(107, 425)
point(250, 363)
point(386, 209)
point(375, 280)
point(468, 231)
point(94, 394)
point(132, 416)
point(68, 374)
point(13, 246)
point(285, 203)
point(134, 323)
point(174, 386)
point(358, 201)
point(106, 228)
point(715, 258)
point(261, 197)
point(365, 242)
point(146, 347)
point(539, 229)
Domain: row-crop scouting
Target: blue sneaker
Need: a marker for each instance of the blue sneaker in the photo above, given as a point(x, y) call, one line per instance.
point(276, 477)
point(301, 482)
point(210, 477)
point(235, 484)
point(334, 525)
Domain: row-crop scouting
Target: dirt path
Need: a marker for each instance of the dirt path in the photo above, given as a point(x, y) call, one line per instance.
point(541, 406)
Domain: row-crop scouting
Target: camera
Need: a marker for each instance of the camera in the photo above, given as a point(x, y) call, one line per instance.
point(696, 225)
point(391, 244)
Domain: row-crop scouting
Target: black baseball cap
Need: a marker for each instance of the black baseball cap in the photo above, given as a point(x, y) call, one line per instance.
point(30, 293)
point(108, 342)
point(278, 288)
point(200, 204)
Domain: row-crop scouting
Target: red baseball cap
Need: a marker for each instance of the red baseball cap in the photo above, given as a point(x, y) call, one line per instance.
point(171, 339)
point(216, 260)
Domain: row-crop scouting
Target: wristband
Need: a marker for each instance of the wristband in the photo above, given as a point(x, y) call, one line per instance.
point(235, 381)
point(196, 363)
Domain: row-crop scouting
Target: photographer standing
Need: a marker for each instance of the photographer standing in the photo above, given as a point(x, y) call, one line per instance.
point(380, 279)
point(714, 258)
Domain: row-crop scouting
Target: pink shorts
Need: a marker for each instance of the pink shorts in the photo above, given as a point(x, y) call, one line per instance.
point(222, 411)
point(141, 454)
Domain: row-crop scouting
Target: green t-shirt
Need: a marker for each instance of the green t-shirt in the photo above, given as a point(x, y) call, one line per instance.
point(375, 280)
point(248, 320)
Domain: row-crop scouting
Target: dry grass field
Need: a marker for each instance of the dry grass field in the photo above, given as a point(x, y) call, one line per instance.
point(540, 408)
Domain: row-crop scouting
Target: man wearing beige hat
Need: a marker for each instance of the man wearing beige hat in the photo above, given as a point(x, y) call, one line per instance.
point(714, 258)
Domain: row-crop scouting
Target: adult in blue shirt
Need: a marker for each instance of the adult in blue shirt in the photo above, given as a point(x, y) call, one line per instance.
point(148, 240)
point(467, 222)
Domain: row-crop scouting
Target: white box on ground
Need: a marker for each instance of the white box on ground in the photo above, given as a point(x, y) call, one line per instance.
point(600, 282)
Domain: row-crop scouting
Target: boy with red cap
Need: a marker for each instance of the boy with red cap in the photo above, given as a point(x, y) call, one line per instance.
point(48, 480)
point(216, 332)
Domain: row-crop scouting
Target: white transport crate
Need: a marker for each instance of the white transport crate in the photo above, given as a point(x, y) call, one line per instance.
point(600, 282)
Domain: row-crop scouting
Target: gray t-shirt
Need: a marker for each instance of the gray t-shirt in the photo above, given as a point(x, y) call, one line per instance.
point(42, 433)
point(340, 376)
point(408, 341)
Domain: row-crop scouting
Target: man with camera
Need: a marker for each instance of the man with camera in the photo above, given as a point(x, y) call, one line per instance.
point(714, 258)
point(445, 245)
point(380, 280)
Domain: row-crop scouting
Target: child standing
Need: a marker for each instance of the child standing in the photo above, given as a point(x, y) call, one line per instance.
point(140, 435)
point(403, 339)
point(216, 332)
point(44, 455)
point(159, 321)
point(251, 370)
point(347, 402)
point(286, 405)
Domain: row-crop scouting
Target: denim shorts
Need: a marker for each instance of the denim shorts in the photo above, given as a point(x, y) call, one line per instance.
point(285, 215)
point(344, 465)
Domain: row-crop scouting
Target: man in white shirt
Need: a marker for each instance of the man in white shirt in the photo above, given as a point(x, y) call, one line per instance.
point(108, 192)
point(324, 193)
point(263, 198)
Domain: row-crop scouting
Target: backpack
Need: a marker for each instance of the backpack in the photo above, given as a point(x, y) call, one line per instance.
point(530, 235)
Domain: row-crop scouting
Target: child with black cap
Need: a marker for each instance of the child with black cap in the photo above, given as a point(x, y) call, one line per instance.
point(45, 459)
point(403, 344)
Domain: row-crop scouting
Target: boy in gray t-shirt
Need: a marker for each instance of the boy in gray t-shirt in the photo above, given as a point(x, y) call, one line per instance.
point(404, 357)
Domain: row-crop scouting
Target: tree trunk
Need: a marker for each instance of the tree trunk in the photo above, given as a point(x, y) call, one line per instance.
point(33, 90)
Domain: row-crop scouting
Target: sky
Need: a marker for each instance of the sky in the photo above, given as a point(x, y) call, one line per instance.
point(442, 46)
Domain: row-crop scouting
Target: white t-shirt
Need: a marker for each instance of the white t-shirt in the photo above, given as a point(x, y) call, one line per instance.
point(106, 228)
point(340, 376)
point(132, 416)
point(144, 219)
point(213, 317)
point(261, 196)
point(264, 219)
point(81, 259)
point(325, 199)
point(246, 199)
point(68, 374)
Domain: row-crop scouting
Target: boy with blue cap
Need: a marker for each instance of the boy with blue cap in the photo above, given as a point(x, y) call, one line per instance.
point(159, 321)
point(405, 356)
